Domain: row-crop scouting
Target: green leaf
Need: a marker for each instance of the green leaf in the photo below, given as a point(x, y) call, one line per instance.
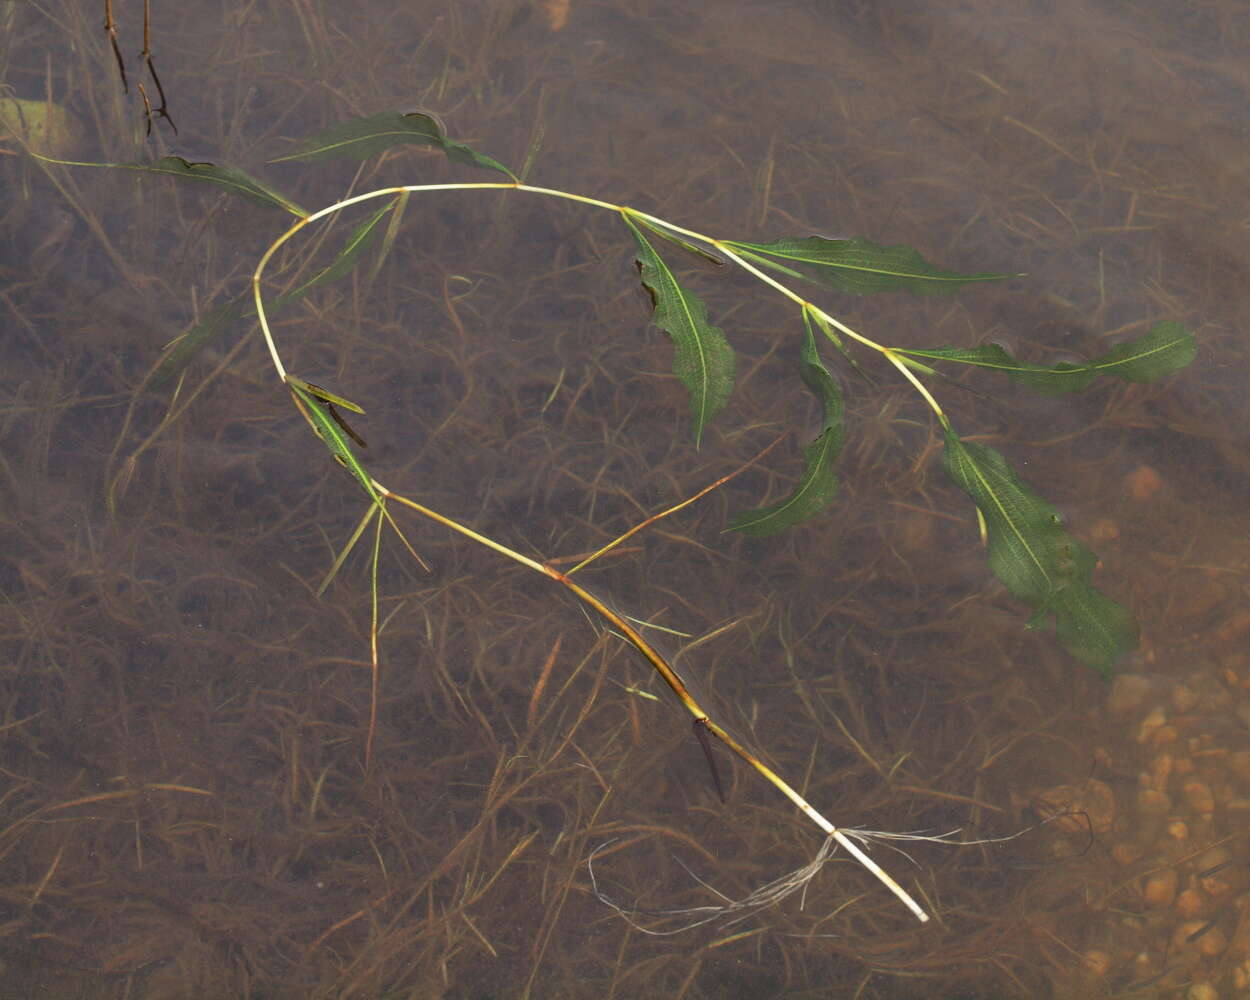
point(345, 260)
point(1167, 348)
point(182, 350)
point(1036, 559)
point(856, 265)
point(360, 138)
point(691, 248)
point(228, 178)
point(819, 482)
point(316, 411)
point(702, 357)
point(216, 323)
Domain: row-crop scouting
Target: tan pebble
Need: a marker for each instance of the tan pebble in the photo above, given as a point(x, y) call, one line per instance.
point(1215, 886)
point(1164, 735)
point(1104, 530)
point(1198, 795)
point(1212, 858)
point(1236, 627)
point(1156, 718)
point(1160, 888)
point(1079, 808)
point(1096, 963)
point(1125, 853)
point(1190, 903)
point(1210, 942)
point(1128, 693)
point(1151, 802)
point(1143, 483)
point(1161, 770)
point(1183, 765)
point(1178, 830)
point(1239, 764)
point(1183, 698)
point(1202, 991)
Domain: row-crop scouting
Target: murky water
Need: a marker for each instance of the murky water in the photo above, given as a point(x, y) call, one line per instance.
point(205, 794)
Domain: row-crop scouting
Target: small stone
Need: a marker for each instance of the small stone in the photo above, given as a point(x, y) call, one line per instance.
point(1183, 698)
point(1239, 764)
point(1125, 853)
point(1143, 483)
point(1089, 805)
point(1096, 963)
point(1198, 795)
point(1210, 942)
point(1161, 770)
point(1151, 802)
point(1236, 627)
point(1190, 903)
point(1160, 888)
point(1153, 721)
point(1178, 830)
point(1202, 991)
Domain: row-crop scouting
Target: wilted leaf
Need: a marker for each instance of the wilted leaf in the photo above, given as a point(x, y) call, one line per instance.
point(360, 138)
point(702, 357)
point(1036, 559)
point(856, 265)
point(1167, 348)
point(819, 482)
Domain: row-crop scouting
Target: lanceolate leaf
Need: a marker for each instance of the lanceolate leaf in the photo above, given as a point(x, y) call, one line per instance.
point(677, 240)
point(360, 138)
point(316, 412)
point(1039, 562)
point(702, 357)
point(212, 326)
point(819, 482)
point(359, 239)
point(856, 265)
point(218, 322)
point(228, 178)
point(1167, 348)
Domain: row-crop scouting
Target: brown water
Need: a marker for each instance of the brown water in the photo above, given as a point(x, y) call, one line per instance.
point(186, 807)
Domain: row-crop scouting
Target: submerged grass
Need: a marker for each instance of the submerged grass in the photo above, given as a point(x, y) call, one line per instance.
point(186, 803)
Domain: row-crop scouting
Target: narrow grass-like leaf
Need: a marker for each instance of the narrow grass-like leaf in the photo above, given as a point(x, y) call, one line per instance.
point(1166, 349)
point(228, 178)
point(216, 323)
point(691, 248)
point(399, 206)
point(360, 138)
point(326, 395)
point(316, 412)
point(1036, 559)
point(856, 265)
point(183, 349)
point(375, 509)
point(702, 357)
point(344, 261)
point(819, 482)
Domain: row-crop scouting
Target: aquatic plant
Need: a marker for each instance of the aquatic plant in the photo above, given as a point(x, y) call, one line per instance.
point(1029, 549)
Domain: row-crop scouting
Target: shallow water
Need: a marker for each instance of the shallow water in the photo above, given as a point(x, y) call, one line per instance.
point(188, 808)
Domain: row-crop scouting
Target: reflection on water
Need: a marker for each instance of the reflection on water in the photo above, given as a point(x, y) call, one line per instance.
point(187, 808)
